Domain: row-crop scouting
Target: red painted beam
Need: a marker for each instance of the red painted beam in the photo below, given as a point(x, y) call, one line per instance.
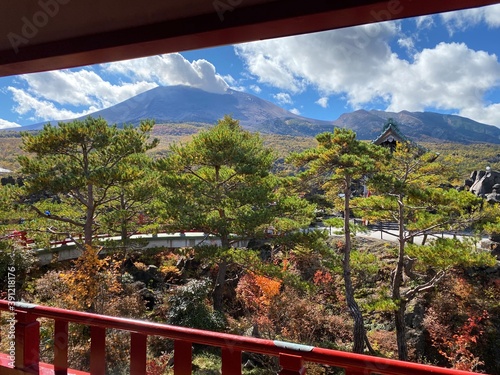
point(185, 337)
point(229, 25)
point(45, 369)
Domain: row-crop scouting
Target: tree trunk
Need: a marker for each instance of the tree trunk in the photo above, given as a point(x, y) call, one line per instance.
point(397, 283)
point(399, 322)
point(359, 326)
point(424, 240)
point(123, 227)
point(218, 293)
point(124, 235)
point(89, 216)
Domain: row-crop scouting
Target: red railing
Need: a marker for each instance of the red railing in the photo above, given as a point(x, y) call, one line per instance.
point(291, 356)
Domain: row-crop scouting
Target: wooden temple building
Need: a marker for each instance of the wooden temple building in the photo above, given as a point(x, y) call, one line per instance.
point(391, 135)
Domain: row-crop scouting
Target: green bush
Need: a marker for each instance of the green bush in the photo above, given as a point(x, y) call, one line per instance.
point(15, 262)
point(189, 307)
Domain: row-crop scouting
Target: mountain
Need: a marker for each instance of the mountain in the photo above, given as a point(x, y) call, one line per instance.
point(420, 126)
point(183, 104)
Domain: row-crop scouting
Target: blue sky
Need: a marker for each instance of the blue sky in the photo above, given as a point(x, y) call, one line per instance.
point(447, 63)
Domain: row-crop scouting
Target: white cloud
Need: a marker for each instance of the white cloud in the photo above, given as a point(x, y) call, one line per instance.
point(295, 111)
point(255, 89)
point(323, 102)
point(359, 65)
point(283, 98)
point(48, 95)
point(172, 69)
point(464, 19)
point(229, 79)
point(262, 62)
point(4, 124)
point(445, 77)
point(67, 94)
point(81, 88)
point(424, 22)
point(492, 15)
point(239, 88)
point(486, 115)
point(329, 61)
point(461, 20)
point(39, 109)
point(407, 43)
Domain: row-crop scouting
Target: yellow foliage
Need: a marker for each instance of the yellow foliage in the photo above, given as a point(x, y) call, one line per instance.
point(140, 266)
point(89, 283)
point(171, 273)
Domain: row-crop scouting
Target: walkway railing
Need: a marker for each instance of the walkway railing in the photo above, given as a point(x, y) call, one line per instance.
point(26, 346)
point(67, 250)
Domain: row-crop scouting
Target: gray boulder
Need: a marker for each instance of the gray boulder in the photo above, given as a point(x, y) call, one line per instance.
point(481, 182)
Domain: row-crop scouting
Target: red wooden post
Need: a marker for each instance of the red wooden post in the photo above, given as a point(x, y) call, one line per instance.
point(97, 350)
point(182, 357)
point(291, 365)
point(357, 371)
point(231, 361)
point(0, 321)
point(60, 347)
point(27, 342)
point(138, 347)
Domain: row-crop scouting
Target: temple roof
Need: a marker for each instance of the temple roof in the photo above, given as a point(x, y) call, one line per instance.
point(390, 133)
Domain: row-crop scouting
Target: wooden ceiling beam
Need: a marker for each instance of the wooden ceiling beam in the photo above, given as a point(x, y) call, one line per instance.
point(231, 22)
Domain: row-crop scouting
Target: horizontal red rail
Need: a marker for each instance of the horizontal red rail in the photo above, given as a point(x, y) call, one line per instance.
point(291, 355)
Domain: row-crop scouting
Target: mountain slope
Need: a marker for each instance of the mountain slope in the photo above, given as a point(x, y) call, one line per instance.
point(173, 105)
point(181, 104)
point(420, 126)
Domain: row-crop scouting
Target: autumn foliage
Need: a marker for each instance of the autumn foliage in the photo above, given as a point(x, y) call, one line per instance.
point(90, 281)
point(256, 293)
point(294, 283)
point(457, 347)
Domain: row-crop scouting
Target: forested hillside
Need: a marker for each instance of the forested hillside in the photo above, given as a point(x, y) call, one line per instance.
point(468, 157)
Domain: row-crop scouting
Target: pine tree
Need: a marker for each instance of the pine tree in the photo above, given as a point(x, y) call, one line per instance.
point(411, 191)
point(78, 164)
point(220, 183)
point(130, 212)
point(338, 161)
